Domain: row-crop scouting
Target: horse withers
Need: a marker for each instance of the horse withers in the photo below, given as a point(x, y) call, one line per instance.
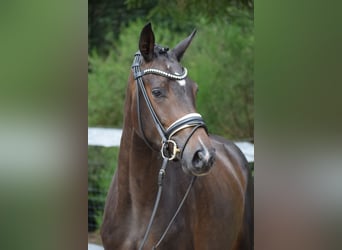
point(162, 129)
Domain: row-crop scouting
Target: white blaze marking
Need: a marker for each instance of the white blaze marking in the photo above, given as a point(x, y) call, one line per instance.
point(205, 149)
point(181, 82)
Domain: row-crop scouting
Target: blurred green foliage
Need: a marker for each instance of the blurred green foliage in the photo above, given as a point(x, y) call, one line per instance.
point(220, 60)
point(107, 18)
point(102, 164)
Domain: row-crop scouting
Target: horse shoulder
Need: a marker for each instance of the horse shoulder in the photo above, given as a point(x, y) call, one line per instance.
point(115, 219)
point(233, 163)
point(231, 160)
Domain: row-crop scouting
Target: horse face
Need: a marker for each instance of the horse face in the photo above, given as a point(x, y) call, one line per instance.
point(171, 100)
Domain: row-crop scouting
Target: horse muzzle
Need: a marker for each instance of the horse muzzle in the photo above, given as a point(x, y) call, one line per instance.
point(201, 163)
point(203, 160)
point(199, 156)
point(196, 154)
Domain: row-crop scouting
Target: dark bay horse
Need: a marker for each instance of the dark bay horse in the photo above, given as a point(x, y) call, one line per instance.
point(162, 128)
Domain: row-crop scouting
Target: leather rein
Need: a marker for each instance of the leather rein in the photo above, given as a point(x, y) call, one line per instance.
point(169, 148)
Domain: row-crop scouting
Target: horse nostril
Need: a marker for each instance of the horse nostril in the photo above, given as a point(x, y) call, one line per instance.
point(211, 159)
point(203, 159)
point(197, 160)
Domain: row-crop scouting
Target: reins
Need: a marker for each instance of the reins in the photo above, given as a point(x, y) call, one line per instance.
point(190, 120)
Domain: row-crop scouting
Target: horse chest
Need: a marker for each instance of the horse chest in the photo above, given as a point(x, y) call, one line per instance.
point(132, 232)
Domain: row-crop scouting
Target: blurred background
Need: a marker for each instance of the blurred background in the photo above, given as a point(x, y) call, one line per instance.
point(220, 59)
point(45, 61)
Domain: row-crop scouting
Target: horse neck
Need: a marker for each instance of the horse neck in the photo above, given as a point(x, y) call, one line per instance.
point(138, 167)
point(138, 164)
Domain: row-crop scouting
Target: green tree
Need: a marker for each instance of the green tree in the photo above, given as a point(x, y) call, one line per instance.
point(106, 18)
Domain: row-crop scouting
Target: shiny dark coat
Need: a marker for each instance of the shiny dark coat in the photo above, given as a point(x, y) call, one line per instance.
point(218, 213)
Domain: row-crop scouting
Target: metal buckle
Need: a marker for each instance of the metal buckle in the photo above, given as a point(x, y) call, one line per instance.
point(165, 148)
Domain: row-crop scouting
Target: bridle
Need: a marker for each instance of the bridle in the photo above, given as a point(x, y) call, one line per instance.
point(169, 148)
point(189, 120)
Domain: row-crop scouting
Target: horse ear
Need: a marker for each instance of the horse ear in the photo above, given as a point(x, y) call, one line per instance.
point(183, 45)
point(146, 42)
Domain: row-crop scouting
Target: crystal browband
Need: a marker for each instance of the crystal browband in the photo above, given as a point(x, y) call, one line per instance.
point(162, 73)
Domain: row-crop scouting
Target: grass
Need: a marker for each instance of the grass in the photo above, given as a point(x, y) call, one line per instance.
point(102, 164)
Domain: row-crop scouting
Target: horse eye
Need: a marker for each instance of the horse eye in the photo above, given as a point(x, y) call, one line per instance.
point(156, 92)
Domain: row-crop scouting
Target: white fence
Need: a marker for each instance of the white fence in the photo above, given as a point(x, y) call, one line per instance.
point(110, 137)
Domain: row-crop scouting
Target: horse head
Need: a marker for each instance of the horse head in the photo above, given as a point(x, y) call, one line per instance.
point(167, 120)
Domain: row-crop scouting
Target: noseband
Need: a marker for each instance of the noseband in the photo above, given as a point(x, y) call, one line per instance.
point(190, 120)
point(193, 120)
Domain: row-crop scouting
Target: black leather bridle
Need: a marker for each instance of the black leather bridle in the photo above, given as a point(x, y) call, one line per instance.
point(189, 120)
point(169, 148)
